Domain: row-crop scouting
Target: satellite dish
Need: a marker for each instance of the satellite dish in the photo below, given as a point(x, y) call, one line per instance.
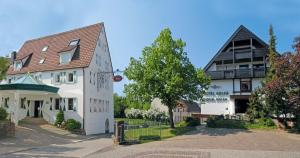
point(117, 78)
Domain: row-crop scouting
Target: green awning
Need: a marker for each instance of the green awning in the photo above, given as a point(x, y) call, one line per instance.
point(27, 82)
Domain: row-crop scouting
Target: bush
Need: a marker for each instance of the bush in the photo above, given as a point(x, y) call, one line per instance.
point(3, 114)
point(134, 113)
point(268, 122)
point(72, 125)
point(59, 118)
point(219, 122)
point(192, 121)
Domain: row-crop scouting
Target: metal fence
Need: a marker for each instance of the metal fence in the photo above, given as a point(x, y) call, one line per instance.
point(143, 130)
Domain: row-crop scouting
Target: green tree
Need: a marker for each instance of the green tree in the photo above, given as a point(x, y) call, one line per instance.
point(119, 106)
point(164, 71)
point(272, 56)
point(4, 64)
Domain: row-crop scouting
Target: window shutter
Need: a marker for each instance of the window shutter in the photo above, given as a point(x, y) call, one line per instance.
point(64, 77)
point(52, 78)
point(75, 77)
point(61, 77)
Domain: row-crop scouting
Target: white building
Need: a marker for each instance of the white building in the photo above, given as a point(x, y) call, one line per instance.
point(236, 70)
point(71, 71)
point(182, 110)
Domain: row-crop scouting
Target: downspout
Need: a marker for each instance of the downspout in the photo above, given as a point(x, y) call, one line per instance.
point(83, 119)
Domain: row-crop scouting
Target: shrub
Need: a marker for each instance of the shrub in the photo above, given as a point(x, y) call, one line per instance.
point(211, 121)
point(266, 122)
point(3, 114)
point(59, 118)
point(192, 121)
point(72, 125)
point(219, 122)
point(134, 113)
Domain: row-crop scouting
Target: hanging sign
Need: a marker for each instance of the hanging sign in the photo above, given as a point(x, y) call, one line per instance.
point(117, 78)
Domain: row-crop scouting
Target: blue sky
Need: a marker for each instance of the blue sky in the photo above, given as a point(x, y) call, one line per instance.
point(133, 24)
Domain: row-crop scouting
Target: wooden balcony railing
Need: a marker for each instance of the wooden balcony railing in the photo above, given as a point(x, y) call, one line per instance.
point(237, 73)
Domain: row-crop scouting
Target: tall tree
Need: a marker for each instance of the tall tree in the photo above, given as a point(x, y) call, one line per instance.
point(165, 72)
point(4, 64)
point(119, 106)
point(272, 55)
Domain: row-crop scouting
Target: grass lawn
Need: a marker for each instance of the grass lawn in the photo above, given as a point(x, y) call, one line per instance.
point(154, 131)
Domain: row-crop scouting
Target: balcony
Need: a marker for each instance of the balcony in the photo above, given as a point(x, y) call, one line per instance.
point(237, 73)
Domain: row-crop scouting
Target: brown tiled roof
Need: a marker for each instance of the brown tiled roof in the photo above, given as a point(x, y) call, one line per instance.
point(56, 43)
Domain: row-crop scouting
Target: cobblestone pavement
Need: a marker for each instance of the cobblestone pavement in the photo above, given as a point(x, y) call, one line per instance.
point(214, 143)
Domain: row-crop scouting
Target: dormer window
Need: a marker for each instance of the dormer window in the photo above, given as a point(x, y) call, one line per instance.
point(45, 48)
point(65, 57)
point(74, 42)
point(18, 65)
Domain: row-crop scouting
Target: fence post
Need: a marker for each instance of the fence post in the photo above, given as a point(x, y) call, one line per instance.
point(119, 132)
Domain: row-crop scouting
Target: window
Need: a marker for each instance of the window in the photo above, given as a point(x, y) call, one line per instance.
point(57, 104)
point(244, 66)
point(57, 78)
point(246, 86)
point(42, 61)
point(65, 58)
point(70, 103)
point(18, 65)
point(6, 102)
point(258, 66)
point(45, 48)
point(74, 42)
point(9, 80)
point(23, 103)
point(90, 77)
point(70, 77)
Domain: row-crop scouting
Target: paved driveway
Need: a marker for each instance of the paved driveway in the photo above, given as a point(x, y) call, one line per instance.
point(215, 143)
point(36, 137)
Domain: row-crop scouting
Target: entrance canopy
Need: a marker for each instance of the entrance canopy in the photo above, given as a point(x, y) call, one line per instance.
point(28, 82)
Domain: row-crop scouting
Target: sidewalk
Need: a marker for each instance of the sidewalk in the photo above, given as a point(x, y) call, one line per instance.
point(79, 149)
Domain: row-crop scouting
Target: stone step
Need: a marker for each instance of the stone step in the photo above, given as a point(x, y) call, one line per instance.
point(32, 120)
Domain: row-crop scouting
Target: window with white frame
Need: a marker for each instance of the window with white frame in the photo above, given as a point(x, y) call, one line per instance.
point(74, 42)
point(57, 78)
point(70, 103)
point(71, 76)
point(6, 102)
point(18, 65)
point(57, 104)
point(65, 58)
point(45, 48)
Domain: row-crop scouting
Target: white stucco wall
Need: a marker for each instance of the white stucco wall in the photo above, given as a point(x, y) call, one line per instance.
point(226, 106)
point(97, 113)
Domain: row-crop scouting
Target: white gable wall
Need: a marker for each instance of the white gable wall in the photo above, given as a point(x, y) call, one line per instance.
point(99, 103)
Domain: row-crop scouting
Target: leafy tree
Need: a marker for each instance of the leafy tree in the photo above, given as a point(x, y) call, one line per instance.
point(165, 72)
point(119, 106)
point(257, 106)
point(4, 64)
point(296, 44)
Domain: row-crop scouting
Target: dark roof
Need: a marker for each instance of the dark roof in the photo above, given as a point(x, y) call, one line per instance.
point(57, 43)
point(241, 33)
point(191, 106)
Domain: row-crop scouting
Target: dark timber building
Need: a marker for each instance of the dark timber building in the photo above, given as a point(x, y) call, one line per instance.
point(236, 70)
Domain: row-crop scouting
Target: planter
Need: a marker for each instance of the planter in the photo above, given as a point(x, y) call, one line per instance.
point(7, 129)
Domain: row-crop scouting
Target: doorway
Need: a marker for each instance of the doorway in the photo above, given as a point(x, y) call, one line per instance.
point(241, 105)
point(106, 126)
point(37, 108)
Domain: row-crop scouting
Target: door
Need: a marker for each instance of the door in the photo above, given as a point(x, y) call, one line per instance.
point(106, 126)
point(36, 108)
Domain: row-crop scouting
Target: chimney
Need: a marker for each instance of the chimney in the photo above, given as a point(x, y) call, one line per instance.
point(13, 56)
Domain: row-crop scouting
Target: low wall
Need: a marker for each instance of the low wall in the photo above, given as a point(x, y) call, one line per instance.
point(7, 129)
